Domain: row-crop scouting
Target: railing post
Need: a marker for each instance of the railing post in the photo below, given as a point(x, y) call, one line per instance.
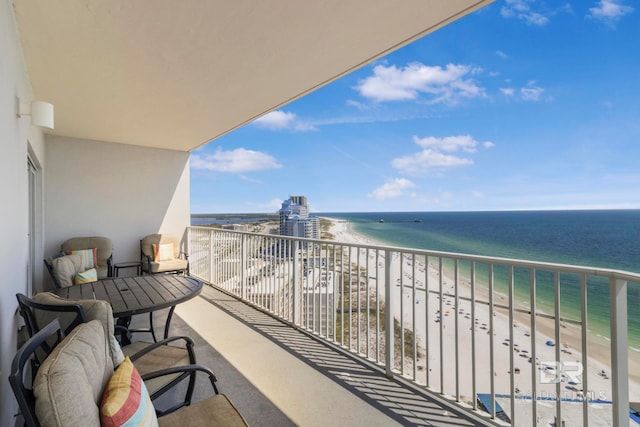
point(619, 353)
point(292, 246)
point(388, 316)
point(243, 267)
point(211, 257)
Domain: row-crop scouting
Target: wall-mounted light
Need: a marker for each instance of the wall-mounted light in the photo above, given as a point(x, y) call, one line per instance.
point(41, 113)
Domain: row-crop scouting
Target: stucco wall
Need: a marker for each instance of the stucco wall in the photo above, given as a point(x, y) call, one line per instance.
point(84, 188)
point(118, 191)
point(17, 139)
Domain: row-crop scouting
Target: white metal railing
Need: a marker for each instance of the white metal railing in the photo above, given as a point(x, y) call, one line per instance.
point(525, 343)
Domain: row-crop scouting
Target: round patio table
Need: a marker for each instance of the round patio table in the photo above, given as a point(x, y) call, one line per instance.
point(135, 295)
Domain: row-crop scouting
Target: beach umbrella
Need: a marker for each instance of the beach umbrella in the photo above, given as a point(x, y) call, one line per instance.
point(550, 343)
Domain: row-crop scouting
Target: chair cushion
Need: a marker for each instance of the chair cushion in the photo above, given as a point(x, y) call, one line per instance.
point(162, 357)
point(65, 269)
point(88, 276)
point(69, 384)
point(126, 401)
point(171, 265)
point(93, 310)
point(214, 411)
point(88, 256)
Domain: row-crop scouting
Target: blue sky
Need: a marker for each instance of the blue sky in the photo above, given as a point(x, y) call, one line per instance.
point(524, 104)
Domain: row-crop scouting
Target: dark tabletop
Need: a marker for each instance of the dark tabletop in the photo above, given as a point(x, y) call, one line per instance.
point(134, 295)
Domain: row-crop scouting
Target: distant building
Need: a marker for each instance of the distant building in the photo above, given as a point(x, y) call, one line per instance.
point(236, 227)
point(295, 220)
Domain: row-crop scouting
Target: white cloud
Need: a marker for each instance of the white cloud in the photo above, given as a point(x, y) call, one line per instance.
point(501, 54)
point(281, 120)
point(531, 93)
point(447, 85)
point(508, 91)
point(448, 143)
point(234, 161)
point(359, 105)
point(521, 9)
point(609, 11)
point(419, 163)
point(395, 187)
point(433, 154)
point(488, 144)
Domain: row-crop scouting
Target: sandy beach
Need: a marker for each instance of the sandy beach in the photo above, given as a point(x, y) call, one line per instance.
point(442, 320)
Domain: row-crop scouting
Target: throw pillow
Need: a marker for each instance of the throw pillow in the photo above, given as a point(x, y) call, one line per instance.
point(163, 252)
point(89, 258)
point(91, 275)
point(65, 268)
point(126, 401)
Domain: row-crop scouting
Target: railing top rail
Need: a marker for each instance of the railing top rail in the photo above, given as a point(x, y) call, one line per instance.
point(563, 268)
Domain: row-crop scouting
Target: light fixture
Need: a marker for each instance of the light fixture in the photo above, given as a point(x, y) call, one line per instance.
point(41, 113)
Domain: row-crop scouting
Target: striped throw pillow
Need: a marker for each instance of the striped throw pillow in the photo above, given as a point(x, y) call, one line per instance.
point(89, 258)
point(91, 275)
point(126, 401)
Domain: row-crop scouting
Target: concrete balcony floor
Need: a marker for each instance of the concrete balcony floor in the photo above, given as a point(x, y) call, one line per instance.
point(279, 376)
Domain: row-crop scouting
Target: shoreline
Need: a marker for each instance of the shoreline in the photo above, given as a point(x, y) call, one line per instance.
point(571, 339)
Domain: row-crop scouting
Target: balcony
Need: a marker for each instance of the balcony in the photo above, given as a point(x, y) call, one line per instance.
point(278, 375)
point(286, 313)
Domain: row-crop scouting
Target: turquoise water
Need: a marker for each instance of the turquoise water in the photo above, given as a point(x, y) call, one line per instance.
point(606, 239)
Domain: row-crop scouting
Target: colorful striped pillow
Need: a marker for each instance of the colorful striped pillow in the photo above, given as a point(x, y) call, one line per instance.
point(126, 401)
point(89, 258)
point(91, 275)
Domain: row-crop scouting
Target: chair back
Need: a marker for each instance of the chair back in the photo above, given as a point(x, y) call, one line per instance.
point(146, 244)
point(45, 307)
point(104, 251)
point(69, 384)
point(19, 370)
point(31, 310)
point(28, 310)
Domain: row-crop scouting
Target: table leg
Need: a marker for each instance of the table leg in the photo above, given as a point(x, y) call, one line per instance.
point(168, 324)
point(123, 327)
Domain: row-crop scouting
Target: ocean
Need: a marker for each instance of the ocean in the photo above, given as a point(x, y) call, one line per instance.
point(597, 238)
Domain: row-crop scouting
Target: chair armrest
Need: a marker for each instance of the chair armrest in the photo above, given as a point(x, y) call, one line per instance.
point(188, 344)
point(193, 368)
point(146, 259)
point(110, 266)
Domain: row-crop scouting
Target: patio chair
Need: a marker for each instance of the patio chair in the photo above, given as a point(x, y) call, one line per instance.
point(78, 384)
point(76, 260)
point(104, 251)
point(147, 357)
point(160, 253)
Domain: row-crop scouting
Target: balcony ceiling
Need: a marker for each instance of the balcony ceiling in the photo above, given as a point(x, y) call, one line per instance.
point(178, 74)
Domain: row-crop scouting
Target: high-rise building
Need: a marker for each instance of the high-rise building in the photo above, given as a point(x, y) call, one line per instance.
point(295, 219)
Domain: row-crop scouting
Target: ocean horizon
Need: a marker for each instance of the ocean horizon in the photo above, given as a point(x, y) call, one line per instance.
point(608, 239)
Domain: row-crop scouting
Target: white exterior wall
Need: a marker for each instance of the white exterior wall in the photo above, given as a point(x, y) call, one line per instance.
point(119, 191)
point(84, 188)
point(17, 139)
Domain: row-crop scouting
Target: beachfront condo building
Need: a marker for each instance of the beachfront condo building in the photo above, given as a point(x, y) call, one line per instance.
point(295, 219)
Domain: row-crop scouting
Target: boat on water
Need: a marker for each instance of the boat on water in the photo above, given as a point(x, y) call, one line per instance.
point(381, 220)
